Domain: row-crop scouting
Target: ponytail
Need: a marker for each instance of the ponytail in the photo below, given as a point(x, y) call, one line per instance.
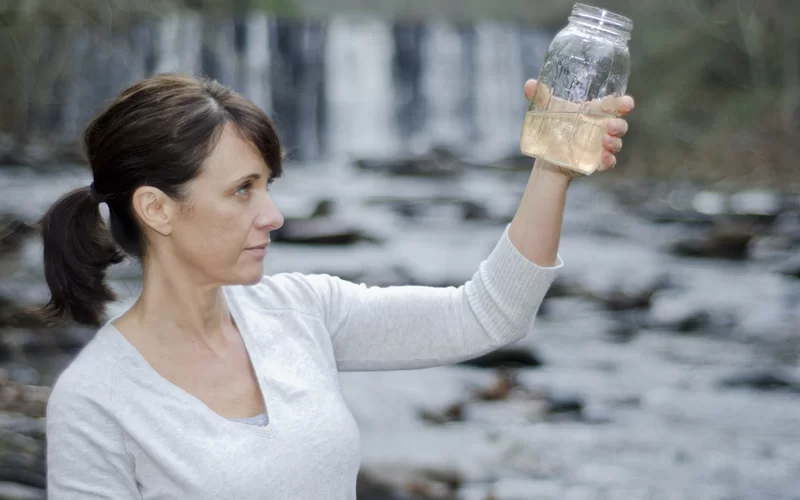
point(78, 249)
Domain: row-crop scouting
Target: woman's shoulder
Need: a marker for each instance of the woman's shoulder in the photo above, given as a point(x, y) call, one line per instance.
point(89, 377)
point(289, 291)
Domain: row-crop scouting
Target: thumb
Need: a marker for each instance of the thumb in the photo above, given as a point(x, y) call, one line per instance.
point(530, 88)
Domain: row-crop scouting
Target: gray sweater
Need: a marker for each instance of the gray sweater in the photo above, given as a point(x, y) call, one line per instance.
point(117, 430)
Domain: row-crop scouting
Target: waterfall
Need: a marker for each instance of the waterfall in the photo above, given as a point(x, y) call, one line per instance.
point(359, 90)
point(256, 61)
point(296, 67)
point(498, 80)
point(345, 87)
point(179, 44)
point(219, 56)
point(446, 86)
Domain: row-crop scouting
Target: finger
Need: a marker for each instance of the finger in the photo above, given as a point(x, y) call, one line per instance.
point(610, 105)
point(530, 89)
point(541, 95)
point(606, 106)
point(617, 127)
point(607, 160)
point(625, 105)
point(612, 144)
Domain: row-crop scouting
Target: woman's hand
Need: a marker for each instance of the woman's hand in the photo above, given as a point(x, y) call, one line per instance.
point(617, 127)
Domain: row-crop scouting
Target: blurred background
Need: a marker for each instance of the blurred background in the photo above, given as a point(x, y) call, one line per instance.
point(664, 361)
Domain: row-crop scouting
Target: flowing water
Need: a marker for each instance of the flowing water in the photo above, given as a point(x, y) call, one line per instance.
point(657, 422)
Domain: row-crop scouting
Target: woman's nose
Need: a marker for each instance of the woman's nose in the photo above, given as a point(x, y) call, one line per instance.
point(270, 217)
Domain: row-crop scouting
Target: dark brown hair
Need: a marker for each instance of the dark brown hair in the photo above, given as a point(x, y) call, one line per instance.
point(157, 132)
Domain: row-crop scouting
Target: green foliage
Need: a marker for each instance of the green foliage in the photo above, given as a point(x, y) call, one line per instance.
point(716, 86)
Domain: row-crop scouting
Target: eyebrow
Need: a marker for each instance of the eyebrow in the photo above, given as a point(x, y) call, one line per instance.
point(249, 177)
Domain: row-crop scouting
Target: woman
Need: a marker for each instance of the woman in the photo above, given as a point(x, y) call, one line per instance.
point(220, 382)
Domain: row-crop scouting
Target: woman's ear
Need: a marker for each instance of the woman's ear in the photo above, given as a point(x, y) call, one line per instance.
point(155, 209)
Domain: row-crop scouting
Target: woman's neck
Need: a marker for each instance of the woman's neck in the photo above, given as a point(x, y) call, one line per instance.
point(181, 309)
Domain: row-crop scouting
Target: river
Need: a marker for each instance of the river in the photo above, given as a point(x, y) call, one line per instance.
point(657, 408)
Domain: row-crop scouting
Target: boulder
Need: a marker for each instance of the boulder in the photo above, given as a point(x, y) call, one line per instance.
point(720, 242)
point(321, 227)
point(506, 357)
point(438, 163)
point(13, 233)
point(406, 482)
point(763, 380)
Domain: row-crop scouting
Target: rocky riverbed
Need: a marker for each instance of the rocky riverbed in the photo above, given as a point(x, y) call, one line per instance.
point(664, 363)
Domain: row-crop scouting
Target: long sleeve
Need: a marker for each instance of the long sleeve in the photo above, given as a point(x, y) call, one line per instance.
point(86, 458)
point(407, 327)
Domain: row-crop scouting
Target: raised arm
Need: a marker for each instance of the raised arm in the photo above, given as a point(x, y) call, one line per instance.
point(403, 327)
point(416, 327)
point(536, 227)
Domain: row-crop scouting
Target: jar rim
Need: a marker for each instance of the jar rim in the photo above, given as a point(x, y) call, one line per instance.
point(602, 18)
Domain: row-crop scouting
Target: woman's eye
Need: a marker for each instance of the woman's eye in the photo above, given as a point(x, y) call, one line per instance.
point(244, 188)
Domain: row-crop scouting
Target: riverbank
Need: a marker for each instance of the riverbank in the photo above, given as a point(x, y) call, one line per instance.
point(664, 362)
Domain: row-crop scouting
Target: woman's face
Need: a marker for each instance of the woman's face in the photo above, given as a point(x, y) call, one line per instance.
point(222, 230)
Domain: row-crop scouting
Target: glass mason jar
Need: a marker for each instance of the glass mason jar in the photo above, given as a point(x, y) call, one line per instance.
point(586, 69)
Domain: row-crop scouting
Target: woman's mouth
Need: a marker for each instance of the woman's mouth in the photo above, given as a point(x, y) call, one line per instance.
point(259, 250)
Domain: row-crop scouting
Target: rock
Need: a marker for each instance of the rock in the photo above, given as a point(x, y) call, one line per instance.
point(455, 208)
point(722, 241)
point(18, 316)
point(565, 405)
point(762, 380)
point(504, 398)
point(561, 287)
point(512, 163)
point(620, 300)
point(621, 297)
point(622, 331)
point(399, 482)
point(323, 208)
point(695, 321)
point(683, 217)
point(683, 318)
point(474, 211)
point(28, 400)
point(73, 337)
point(438, 163)
point(320, 231)
point(453, 413)
point(321, 227)
point(785, 232)
point(506, 357)
point(21, 373)
point(18, 343)
point(371, 488)
point(505, 382)
point(790, 267)
point(507, 386)
point(23, 453)
point(35, 151)
point(13, 232)
point(14, 491)
point(7, 145)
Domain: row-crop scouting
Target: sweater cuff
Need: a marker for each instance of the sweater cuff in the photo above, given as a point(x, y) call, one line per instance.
point(509, 289)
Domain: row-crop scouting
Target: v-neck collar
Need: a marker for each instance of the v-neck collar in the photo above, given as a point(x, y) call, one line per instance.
point(153, 374)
